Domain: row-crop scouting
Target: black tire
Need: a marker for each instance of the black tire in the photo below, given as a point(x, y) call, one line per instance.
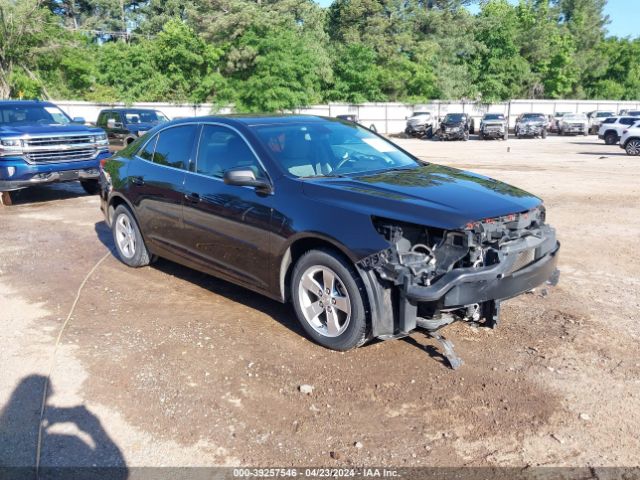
point(610, 138)
point(480, 135)
point(356, 331)
point(632, 147)
point(544, 133)
point(465, 137)
point(92, 187)
point(141, 256)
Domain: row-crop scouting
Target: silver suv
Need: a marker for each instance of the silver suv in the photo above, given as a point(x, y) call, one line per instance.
point(420, 124)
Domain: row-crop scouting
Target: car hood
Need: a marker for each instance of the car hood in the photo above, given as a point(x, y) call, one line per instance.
point(431, 195)
point(19, 130)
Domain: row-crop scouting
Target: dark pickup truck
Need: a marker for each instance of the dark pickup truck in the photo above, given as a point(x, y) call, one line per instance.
point(39, 144)
point(124, 125)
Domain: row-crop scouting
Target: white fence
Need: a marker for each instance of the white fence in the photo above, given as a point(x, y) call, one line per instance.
point(387, 117)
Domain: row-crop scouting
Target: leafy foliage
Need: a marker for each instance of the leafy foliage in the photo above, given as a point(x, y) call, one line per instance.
point(281, 54)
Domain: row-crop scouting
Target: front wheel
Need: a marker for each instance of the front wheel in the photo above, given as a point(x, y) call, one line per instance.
point(633, 147)
point(610, 138)
point(329, 300)
point(92, 187)
point(544, 133)
point(128, 239)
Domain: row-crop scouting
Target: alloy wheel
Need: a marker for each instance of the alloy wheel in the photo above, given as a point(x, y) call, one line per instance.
point(125, 236)
point(633, 147)
point(324, 301)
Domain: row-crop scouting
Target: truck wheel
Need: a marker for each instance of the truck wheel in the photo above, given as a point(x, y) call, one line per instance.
point(128, 239)
point(610, 138)
point(92, 187)
point(633, 147)
point(480, 136)
point(329, 300)
point(544, 133)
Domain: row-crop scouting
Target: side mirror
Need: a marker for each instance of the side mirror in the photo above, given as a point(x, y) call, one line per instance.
point(244, 177)
point(79, 120)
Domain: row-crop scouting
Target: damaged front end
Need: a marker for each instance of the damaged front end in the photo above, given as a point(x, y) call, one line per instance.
point(429, 277)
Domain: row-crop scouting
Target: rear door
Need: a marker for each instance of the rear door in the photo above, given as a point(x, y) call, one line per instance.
point(156, 186)
point(227, 227)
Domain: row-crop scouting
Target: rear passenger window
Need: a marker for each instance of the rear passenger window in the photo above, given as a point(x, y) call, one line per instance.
point(628, 121)
point(610, 120)
point(174, 146)
point(149, 148)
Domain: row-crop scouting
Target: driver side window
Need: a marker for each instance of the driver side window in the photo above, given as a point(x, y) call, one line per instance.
point(221, 149)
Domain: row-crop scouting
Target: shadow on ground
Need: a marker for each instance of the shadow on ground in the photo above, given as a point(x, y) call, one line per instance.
point(282, 313)
point(47, 193)
point(73, 445)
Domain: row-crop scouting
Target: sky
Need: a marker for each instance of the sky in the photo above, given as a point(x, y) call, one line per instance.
point(624, 16)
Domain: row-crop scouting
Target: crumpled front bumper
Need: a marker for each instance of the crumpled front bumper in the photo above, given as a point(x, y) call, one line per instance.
point(503, 280)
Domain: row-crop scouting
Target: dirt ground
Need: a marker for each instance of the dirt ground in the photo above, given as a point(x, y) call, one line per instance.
point(166, 366)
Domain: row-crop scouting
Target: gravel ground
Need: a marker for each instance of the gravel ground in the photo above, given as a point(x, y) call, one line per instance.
point(166, 366)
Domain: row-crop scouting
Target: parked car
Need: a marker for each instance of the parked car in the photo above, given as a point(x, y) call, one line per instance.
point(555, 126)
point(363, 238)
point(531, 125)
point(125, 125)
point(612, 127)
point(421, 124)
point(40, 144)
point(493, 125)
point(456, 126)
point(350, 117)
point(596, 118)
point(574, 124)
point(630, 113)
point(630, 139)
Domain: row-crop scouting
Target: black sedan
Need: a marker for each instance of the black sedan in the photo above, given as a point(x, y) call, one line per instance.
point(364, 239)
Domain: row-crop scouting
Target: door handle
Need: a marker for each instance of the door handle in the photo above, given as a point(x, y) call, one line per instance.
point(192, 197)
point(137, 181)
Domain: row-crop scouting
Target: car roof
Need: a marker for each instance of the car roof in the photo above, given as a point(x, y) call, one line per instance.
point(26, 102)
point(135, 109)
point(253, 119)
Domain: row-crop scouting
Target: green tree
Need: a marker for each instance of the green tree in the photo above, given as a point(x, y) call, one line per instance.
point(357, 75)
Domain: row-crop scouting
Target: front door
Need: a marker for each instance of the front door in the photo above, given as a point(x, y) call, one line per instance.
point(227, 226)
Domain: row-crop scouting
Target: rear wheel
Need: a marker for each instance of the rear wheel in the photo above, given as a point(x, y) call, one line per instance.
point(610, 138)
point(128, 239)
point(92, 187)
point(633, 147)
point(329, 300)
point(544, 133)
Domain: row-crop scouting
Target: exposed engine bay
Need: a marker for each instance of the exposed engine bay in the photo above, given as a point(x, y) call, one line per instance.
point(442, 276)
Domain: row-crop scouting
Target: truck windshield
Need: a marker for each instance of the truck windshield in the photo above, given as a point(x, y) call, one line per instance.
point(494, 116)
point(330, 149)
point(454, 118)
point(144, 116)
point(32, 114)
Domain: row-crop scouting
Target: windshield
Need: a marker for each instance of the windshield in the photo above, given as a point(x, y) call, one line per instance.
point(144, 116)
point(494, 116)
point(534, 117)
point(560, 114)
point(32, 114)
point(330, 149)
point(575, 117)
point(422, 114)
point(604, 114)
point(454, 118)
point(634, 113)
